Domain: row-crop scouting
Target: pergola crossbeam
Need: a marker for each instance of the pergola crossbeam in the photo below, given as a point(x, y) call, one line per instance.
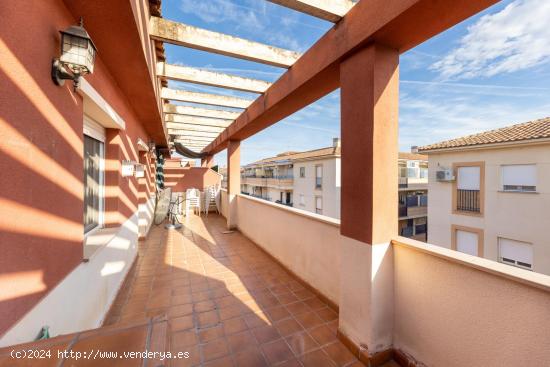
point(223, 44)
point(331, 10)
point(195, 120)
point(200, 112)
point(210, 78)
point(204, 98)
point(398, 25)
point(191, 127)
point(185, 132)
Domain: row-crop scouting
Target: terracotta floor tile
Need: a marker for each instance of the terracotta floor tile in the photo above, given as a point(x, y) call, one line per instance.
point(322, 334)
point(315, 303)
point(214, 350)
point(180, 310)
point(297, 307)
point(212, 333)
point(221, 362)
point(277, 351)
point(181, 323)
point(234, 325)
point(277, 313)
point(339, 353)
point(240, 341)
point(301, 343)
point(209, 318)
point(251, 357)
point(316, 359)
point(204, 306)
point(181, 339)
point(266, 334)
point(181, 299)
point(291, 363)
point(308, 320)
point(288, 327)
point(327, 314)
point(255, 320)
point(229, 312)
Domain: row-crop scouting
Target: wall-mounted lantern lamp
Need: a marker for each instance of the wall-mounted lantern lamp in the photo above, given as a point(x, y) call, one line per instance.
point(77, 56)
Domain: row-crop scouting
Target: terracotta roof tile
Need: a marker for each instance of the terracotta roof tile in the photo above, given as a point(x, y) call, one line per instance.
point(293, 156)
point(413, 156)
point(538, 129)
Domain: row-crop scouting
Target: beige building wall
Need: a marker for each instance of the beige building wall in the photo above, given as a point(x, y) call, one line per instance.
point(517, 216)
point(330, 191)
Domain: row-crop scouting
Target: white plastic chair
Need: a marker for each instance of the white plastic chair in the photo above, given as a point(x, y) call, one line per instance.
point(210, 199)
point(192, 201)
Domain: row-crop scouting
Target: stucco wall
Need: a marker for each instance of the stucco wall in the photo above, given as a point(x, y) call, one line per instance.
point(455, 310)
point(306, 243)
point(41, 146)
point(517, 216)
point(330, 191)
point(182, 178)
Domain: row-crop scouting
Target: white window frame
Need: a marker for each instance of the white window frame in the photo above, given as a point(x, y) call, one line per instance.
point(317, 209)
point(95, 131)
point(302, 172)
point(318, 168)
point(513, 262)
point(519, 188)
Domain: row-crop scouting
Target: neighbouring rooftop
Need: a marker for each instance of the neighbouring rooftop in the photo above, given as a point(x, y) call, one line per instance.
point(527, 131)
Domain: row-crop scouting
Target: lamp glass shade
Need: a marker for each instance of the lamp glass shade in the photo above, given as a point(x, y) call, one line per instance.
point(77, 50)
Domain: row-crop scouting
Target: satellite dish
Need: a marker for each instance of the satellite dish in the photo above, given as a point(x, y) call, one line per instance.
point(163, 204)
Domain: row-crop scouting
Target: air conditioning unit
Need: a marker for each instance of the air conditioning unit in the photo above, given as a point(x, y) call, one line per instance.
point(445, 175)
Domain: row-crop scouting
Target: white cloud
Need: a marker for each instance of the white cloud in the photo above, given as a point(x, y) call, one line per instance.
point(424, 120)
point(516, 38)
point(219, 11)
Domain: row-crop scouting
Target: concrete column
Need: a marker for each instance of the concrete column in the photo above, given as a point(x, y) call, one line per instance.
point(233, 181)
point(207, 161)
point(369, 81)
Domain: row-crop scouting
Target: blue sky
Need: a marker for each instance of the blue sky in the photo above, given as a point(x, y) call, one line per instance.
point(492, 70)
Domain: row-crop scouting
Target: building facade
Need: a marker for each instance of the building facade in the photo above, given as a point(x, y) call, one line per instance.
point(489, 195)
point(413, 195)
point(305, 180)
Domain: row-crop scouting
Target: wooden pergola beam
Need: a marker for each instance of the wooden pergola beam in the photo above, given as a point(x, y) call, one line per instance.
point(331, 10)
point(185, 132)
point(200, 112)
point(400, 25)
point(219, 43)
point(195, 120)
point(204, 98)
point(190, 127)
point(210, 78)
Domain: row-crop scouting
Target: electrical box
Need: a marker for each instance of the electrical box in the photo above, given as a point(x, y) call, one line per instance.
point(140, 170)
point(128, 168)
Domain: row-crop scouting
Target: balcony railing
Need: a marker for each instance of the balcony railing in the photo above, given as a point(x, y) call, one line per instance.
point(468, 200)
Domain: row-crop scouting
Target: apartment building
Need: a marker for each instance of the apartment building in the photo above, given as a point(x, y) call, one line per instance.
point(413, 195)
point(490, 194)
point(306, 180)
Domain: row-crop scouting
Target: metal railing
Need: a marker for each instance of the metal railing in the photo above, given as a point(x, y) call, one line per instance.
point(468, 200)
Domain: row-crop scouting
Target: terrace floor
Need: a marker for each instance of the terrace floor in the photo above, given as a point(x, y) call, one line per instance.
point(218, 297)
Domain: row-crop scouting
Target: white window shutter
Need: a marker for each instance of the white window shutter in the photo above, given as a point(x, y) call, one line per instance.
point(469, 178)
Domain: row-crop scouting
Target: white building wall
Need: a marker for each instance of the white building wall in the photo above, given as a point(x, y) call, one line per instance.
point(330, 191)
point(517, 216)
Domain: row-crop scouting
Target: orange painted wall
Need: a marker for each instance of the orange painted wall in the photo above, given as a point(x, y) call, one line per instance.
point(183, 178)
point(41, 148)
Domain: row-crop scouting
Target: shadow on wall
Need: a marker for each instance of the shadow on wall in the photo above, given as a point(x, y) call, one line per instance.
point(182, 178)
point(41, 155)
